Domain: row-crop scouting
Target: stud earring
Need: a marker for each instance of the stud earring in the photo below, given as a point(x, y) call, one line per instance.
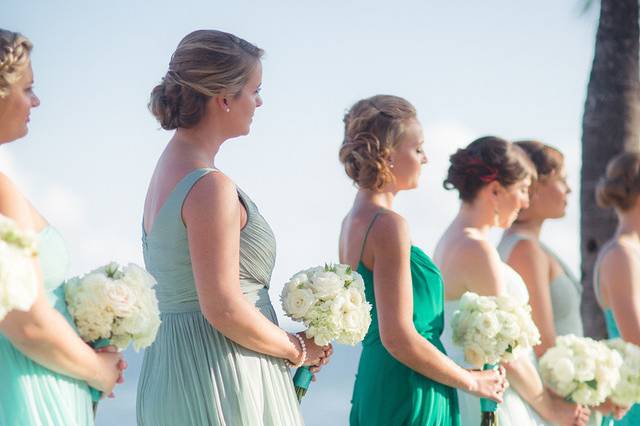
point(227, 109)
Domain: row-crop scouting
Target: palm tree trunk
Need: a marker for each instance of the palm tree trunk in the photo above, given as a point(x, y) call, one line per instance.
point(610, 125)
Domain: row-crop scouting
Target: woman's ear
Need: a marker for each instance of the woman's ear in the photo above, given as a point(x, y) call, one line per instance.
point(221, 103)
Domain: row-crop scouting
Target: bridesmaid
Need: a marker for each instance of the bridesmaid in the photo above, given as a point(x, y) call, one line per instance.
point(492, 177)
point(553, 289)
point(45, 368)
point(617, 269)
point(220, 357)
point(404, 376)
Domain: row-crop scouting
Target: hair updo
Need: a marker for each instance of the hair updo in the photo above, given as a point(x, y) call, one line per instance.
point(372, 129)
point(206, 63)
point(547, 159)
point(620, 185)
point(486, 160)
point(15, 52)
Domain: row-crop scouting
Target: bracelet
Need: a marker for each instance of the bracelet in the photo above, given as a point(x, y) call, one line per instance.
point(304, 353)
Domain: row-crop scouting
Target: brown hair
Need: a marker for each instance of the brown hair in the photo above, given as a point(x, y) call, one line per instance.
point(372, 129)
point(620, 185)
point(486, 160)
point(547, 159)
point(15, 52)
point(206, 63)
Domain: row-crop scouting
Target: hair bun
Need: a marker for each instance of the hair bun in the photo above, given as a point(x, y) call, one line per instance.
point(620, 186)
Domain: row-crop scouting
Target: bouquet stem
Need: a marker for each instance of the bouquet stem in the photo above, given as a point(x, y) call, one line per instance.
point(488, 406)
point(301, 381)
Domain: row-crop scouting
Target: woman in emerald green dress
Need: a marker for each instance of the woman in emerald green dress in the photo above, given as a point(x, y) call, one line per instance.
point(45, 368)
point(404, 376)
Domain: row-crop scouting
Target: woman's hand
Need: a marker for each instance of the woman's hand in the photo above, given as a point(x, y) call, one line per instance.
point(489, 384)
point(108, 371)
point(316, 356)
point(609, 408)
point(567, 413)
point(122, 364)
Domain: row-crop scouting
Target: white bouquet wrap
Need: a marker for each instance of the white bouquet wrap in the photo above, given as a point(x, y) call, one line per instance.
point(627, 391)
point(493, 329)
point(18, 281)
point(115, 303)
point(581, 369)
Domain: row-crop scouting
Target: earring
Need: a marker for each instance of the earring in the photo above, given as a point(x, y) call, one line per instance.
point(496, 216)
point(227, 109)
point(391, 165)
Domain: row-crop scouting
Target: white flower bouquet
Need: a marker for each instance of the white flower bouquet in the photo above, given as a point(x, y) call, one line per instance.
point(330, 301)
point(491, 330)
point(114, 305)
point(627, 391)
point(18, 282)
point(581, 369)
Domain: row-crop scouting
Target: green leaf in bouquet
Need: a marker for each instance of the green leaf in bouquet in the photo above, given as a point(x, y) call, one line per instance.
point(593, 384)
point(349, 270)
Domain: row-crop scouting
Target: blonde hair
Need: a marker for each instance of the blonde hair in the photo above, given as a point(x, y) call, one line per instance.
point(372, 129)
point(206, 63)
point(15, 52)
point(620, 186)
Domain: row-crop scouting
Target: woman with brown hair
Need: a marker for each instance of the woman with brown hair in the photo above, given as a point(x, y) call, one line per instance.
point(617, 268)
point(45, 368)
point(492, 177)
point(219, 357)
point(404, 375)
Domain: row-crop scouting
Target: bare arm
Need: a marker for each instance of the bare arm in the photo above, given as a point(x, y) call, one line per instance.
point(619, 275)
point(531, 262)
point(394, 297)
point(42, 333)
point(212, 215)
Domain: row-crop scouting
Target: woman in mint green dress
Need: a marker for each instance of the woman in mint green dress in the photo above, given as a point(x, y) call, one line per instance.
point(45, 368)
point(404, 375)
point(617, 268)
point(219, 357)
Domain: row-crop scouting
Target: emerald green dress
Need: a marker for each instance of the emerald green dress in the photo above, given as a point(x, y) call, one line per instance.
point(31, 394)
point(387, 392)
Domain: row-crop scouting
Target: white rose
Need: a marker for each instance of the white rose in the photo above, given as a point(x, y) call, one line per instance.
point(297, 302)
point(468, 300)
point(121, 298)
point(474, 355)
point(326, 284)
point(486, 304)
point(355, 296)
point(564, 370)
point(489, 325)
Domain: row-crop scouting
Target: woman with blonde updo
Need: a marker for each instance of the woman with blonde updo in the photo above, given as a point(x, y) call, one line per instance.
point(219, 357)
point(492, 177)
point(404, 375)
point(617, 269)
point(45, 368)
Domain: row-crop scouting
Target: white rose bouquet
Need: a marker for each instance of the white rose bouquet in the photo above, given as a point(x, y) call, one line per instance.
point(627, 391)
point(114, 305)
point(491, 330)
point(581, 369)
point(330, 301)
point(18, 283)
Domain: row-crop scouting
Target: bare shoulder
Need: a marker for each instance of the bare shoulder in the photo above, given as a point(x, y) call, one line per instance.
point(528, 251)
point(390, 229)
point(13, 204)
point(619, 259)
point(214, 194)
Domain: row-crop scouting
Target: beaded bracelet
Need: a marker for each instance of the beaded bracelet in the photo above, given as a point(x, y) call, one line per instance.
point(304, 353)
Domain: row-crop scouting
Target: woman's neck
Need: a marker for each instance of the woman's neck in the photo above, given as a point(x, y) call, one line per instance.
point(477, 216)
point(629, 224)
point(380, 199)
point(530, 228)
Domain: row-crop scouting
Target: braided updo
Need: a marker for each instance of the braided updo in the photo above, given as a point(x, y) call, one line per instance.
point(15, 52)
point(206, 63)
point(486, 160)
point(372, 129)
point(620, 185)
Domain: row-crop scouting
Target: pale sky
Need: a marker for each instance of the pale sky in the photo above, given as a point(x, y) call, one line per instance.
point(512, 69)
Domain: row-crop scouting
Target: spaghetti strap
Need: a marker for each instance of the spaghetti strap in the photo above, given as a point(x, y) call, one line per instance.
point(596, 271)
point(366, 234)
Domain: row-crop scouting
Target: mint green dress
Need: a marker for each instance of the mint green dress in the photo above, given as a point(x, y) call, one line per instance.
point(31, 394)
point(192, 374)
point(387, 392)
point(632, 418)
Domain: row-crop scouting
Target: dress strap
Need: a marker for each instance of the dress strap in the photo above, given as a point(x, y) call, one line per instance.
point(366, 234)
point(596, 272)
point(508, 243)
